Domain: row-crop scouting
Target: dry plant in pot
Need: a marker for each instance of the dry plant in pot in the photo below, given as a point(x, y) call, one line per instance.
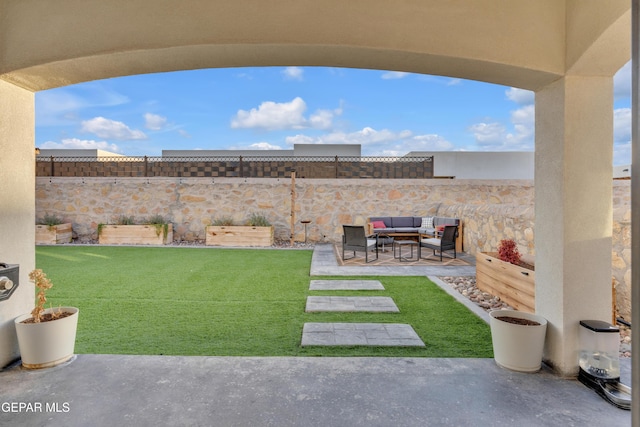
point(46, 337)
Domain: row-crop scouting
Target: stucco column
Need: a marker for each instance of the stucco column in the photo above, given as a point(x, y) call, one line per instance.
point(573, 210)
point(17, 206)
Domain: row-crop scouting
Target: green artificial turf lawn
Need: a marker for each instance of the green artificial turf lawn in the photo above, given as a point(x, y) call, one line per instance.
point(233, 302)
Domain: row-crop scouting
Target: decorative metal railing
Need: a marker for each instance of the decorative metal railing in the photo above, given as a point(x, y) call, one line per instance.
point(237, 167)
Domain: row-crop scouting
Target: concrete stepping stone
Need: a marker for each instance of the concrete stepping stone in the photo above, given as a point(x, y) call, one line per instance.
point(346, 285)
point(352, 304)
point(360, 334)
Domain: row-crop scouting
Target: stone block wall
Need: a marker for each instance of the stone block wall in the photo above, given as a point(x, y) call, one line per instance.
point(490, 210)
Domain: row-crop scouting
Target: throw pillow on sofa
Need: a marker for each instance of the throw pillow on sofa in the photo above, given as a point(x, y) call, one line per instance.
point(427, 222)
point(378, 224)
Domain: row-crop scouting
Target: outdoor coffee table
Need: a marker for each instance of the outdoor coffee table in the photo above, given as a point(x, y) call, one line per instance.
point(384, 239)
point(398, 254)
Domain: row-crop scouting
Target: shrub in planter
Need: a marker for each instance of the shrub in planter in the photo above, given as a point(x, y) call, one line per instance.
point(223, 221)
point(51, 230)
point(258, 220)
point(257, 232)
point(161, 225)
point(507, 275)
point(152, 231)
point(508, 251)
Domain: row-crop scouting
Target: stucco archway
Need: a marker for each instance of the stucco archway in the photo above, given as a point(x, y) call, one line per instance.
point(563, 50)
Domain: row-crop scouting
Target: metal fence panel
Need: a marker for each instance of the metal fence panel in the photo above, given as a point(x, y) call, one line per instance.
point(238, 167)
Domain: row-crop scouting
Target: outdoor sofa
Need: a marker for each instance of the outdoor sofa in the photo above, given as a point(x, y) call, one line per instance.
point(413, 226)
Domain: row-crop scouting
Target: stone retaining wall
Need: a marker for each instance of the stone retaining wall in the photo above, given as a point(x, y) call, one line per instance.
point(490, 210)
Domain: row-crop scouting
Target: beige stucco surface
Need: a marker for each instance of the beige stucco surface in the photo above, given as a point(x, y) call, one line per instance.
point(521, 43)
point(17, 201)
point(517, 43)
point(571, 227)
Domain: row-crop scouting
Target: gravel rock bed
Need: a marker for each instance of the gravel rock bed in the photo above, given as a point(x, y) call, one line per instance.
point(466, 285)
point(277, 244)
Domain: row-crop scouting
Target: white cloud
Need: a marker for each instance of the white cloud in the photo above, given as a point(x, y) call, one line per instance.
point(378, 142)
point(521, 96)
point(622, 136)
point(293, 73)
point(392, 75)
point(75, 143)
point(303, 139)
point(524, 123)
point(622, 154)
point(264, 146)
point(622, 124)
point(622, 81)
point(111, 129)
point(323, 119)
point(497, 137)
point(488, 134)
point(154, 121)
point(272, 115)
point(59, 106)
point(52, 103)
point(183, 133)
point(82, 95)
point(286, 115)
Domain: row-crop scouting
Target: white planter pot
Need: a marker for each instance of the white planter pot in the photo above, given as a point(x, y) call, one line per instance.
point(517, 347)
point(47, 344)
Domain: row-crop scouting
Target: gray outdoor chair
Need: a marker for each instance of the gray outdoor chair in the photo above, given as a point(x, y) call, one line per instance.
point(355, 239)
point(446, 242)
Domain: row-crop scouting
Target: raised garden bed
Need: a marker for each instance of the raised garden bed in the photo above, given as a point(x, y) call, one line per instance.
point(54, 234)
point(238, 235)
point(144, 234)
point(514, 284)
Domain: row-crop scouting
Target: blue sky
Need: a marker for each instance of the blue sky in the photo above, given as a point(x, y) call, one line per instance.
point(388, 113)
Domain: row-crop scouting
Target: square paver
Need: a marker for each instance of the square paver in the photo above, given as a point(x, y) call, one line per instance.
point(346, 285)
point(360, 334)
point(351, 304)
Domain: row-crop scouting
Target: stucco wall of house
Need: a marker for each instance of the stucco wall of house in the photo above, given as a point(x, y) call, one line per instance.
point(490, 210)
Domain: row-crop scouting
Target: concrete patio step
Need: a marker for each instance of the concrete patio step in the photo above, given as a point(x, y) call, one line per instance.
point(346, 285)
point(351, 304)
point(360, 334)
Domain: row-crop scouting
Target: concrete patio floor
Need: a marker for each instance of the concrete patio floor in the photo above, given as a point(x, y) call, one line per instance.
point(107, 390)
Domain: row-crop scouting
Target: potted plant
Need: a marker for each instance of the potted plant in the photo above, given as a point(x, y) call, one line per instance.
point(508, 275)
point(258, 231)
point(518, 339)
point(46, 337)
point(51, 230)
point(151, 231)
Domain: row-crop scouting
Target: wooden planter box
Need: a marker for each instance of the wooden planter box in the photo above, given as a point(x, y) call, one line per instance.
point(53, 234)
point(238, 235)
point(514, 285)
point(146, 234)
